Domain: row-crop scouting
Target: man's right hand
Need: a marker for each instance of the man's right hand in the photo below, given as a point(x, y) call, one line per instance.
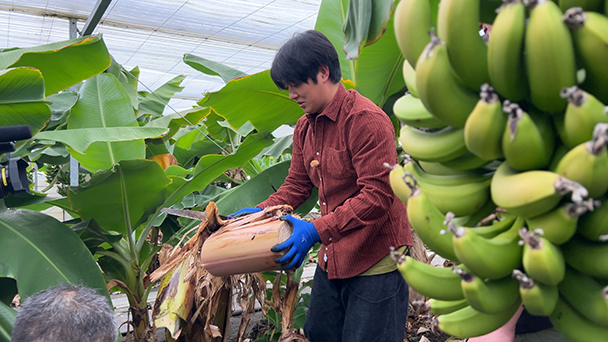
point(244, 211)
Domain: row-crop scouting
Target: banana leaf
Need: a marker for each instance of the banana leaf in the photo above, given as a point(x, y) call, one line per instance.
point(376, 73)
point(154, 103)
point(122, 198)
point(266, 106)
point(82, 140)
point(22, 99)
point(211, 166)
point(60, 105)
point(7, 320)
point(41, 252)
point(62, 64)
point(104, 103)
point(379, 68)
point(212, 68)
point(356, 26)
point(258, 189)
point(174, 121)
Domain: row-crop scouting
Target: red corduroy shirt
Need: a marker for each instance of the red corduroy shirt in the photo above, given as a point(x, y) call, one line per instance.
point(341, 151)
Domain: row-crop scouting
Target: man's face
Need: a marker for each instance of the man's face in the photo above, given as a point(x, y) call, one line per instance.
point(310, 96)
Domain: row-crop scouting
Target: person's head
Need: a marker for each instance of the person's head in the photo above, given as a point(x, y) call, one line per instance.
point(66, 313)
point(308, 67)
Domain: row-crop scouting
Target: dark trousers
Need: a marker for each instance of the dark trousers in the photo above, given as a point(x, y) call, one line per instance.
point(358, 309)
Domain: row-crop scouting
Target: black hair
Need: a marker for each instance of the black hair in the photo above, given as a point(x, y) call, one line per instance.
point(300, 58)
point(66, 313)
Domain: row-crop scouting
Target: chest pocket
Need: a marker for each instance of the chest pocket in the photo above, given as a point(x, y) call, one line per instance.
point(338, 164)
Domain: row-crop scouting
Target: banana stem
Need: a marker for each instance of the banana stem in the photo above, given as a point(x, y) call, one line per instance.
point(575, 18)
point(524, 281)
point(578, 209)
point(449, 222)
point(574, 95)
point(466, 276)
point(515, 114)
point(563, 186)
point(488, 94)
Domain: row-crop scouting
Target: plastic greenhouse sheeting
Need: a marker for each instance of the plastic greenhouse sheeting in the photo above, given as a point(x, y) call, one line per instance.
point(155, 34)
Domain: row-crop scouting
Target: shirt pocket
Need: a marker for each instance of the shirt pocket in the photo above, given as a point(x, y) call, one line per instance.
point(338, 164)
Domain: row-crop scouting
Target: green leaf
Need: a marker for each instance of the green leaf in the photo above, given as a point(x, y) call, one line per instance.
point(155, 102)
point(22, 99)
point(330, 21)
point(254, 98)
point(211, 166)
point(212, 68)
point(103, 103)
point(356, 26)
point(122, 198)
point(41, 252)
point(81, 139)
point(258, 189)
point(93, 235)
point(382, 11)
point(379, 68)
point(7, 320)
point(278, 148)
point(63, 64)
point(60, 105)
point(174, 121)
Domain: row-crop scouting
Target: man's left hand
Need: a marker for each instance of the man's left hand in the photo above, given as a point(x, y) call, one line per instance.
point(302, 239)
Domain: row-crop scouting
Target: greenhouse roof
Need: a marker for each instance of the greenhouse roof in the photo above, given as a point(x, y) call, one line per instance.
point(155, 34)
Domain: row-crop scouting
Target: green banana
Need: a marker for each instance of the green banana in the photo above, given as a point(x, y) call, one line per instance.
point(427, 222)
point(531, 193)
point(438, 146)
point(468, 322)
point(412, 22)
point(586, 295)
point(410, 111)
point(528, 139)
point(439, 88)
point(456, 179)
point(437, 168)
point(492, 296)
point(594, 225)
point(505, 51)
point(488, 258)
point(549, 56)
point(586, 5)
point(587, 163)
point(429, 280)
point(485, 125)
point(458, 27)
point(542, 260)
point(409, 76)
point(574, 326)
point(583, 112)
point(442, 307)
point(462, 194)
point(590, 37)
point(586, 256)
point(477, 219)
point(466, 162)
point(397, 182)
point(538, 298)
point(496, 227)
point(560, 224)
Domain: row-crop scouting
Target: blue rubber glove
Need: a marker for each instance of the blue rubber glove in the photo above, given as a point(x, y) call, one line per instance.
point(244, 211)
point(302, 239)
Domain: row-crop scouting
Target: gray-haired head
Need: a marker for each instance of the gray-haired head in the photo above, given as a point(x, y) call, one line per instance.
point(66, 313)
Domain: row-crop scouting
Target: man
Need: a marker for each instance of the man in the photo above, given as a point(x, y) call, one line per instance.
point(66, 313)
point(339, 146)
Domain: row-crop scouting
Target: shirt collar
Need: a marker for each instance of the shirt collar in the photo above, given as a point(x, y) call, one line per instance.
point(332, 109)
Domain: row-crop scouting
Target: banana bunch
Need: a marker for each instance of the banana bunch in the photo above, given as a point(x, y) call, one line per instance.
point(506, 173)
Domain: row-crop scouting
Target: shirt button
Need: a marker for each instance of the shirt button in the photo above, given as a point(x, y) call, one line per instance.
point(324, 203)
point(329, 239)
point(317, 153)
point(325, 258)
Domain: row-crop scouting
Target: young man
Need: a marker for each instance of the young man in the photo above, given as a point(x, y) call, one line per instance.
point(339, 146)
point(66, 313)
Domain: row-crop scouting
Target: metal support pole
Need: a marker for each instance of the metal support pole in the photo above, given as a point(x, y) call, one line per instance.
point(96, 14)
